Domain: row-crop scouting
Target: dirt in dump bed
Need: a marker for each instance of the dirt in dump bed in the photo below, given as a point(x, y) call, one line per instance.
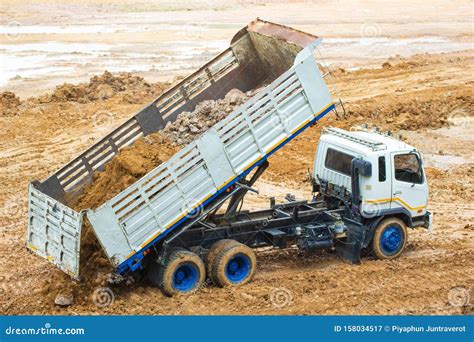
point(133, 162)
point(129, 165)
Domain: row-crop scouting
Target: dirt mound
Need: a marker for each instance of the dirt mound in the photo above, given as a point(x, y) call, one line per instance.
point(423, 109)
point(9, 104)
point(449, 184)
point(131, 88)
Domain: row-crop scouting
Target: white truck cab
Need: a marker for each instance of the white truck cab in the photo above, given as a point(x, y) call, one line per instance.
point(379, 175)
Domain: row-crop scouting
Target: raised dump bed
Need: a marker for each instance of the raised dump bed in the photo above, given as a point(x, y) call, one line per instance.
point(141, 215)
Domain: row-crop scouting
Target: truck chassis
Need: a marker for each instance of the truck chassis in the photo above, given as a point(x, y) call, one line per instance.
point(309, 225)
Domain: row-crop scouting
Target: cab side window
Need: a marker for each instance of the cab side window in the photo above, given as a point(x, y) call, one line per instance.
point(382, 172)
point(338, 161)
point(408, 168)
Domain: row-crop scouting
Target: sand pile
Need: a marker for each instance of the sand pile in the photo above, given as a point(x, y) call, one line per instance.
point(132, 89)
point(9, 104)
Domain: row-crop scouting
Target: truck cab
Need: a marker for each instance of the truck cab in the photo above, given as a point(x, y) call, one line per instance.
point(375, 175)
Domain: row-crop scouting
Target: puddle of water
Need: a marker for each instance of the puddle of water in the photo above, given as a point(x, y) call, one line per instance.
point(56, 47)
point(341, 50)
point(19, 29)
point(54, 58)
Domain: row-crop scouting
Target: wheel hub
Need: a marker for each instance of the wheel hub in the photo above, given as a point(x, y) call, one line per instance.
point(238, 268)
point(391, 239)
point(185, 277)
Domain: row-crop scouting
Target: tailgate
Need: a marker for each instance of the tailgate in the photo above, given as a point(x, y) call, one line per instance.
point(54, 231)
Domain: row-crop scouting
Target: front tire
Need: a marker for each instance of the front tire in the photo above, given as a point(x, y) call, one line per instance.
point(390, 238)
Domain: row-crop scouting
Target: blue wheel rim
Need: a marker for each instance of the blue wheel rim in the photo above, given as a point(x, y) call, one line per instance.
point(185, 277)
point(391, 240)
point(238, 268)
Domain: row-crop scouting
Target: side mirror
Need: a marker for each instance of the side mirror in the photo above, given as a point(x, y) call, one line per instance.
point(364, 167)
point(419, 170)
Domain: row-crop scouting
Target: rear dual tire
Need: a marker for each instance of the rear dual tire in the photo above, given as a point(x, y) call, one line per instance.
point(230, 263)
point(182, 272)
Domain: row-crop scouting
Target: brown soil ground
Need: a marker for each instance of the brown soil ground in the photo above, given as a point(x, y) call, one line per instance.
point(428, 98)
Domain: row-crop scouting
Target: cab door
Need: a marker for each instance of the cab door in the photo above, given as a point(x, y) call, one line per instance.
point(409, 185)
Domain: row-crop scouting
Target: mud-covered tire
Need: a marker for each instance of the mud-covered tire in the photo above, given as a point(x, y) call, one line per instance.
point(215, 249)
point(390, 238)
point(183, 272)
point(234, 265)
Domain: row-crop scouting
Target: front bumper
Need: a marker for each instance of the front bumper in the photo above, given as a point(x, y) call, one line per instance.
point(428, 221)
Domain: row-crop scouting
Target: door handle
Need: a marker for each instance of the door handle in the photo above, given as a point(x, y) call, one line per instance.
point(396, 193)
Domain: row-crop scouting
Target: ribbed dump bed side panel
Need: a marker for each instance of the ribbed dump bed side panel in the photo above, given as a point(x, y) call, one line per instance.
point(170, 192)
point(54, 231)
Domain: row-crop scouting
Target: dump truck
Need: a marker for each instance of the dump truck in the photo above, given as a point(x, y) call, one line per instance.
point(183, 222)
